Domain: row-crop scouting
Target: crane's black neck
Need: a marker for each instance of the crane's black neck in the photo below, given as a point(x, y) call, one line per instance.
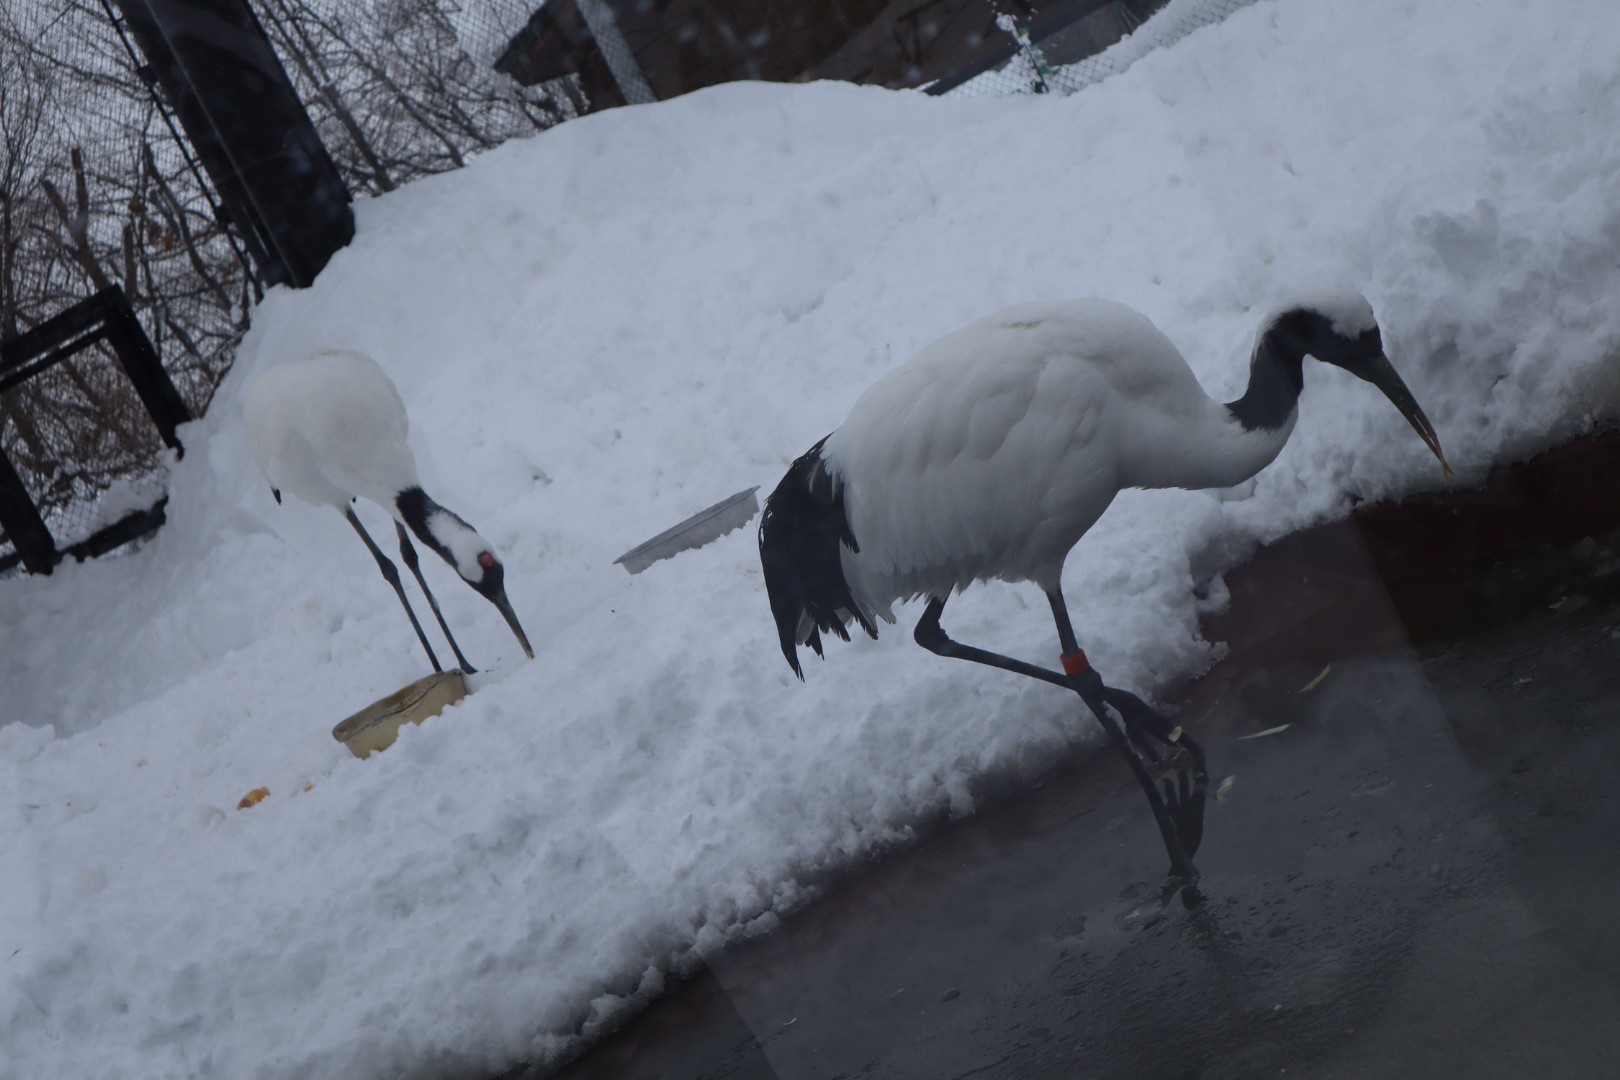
point(1276, 377)
point(416, 508)
point(458, 544)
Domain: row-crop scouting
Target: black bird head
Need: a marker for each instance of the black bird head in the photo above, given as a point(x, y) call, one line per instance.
point(1339, 329)
point(490, 583)
point(459, 544)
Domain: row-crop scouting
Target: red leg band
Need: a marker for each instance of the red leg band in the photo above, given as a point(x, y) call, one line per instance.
point(1074, 663)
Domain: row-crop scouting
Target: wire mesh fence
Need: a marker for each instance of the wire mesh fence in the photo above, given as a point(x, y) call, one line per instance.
point(96, 436)
point(93, 192)
point(402, 88)
point(1103, 42)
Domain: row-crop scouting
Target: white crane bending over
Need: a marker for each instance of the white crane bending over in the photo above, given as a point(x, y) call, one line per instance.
point(993, 450)
point(332, 428)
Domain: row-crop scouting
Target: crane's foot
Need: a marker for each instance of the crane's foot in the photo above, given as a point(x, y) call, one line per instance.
point(1179, 807)
point(1191, 897)
point(1132, 725)
point(1147, 723)
point(1186, 794)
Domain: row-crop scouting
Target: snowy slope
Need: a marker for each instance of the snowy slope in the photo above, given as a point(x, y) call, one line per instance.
point(608, 327)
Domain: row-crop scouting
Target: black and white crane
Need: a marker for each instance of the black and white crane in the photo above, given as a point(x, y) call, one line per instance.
point(332, 428)
point(993, 450)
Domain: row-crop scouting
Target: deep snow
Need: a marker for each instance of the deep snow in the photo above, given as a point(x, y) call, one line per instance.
point(603, 329)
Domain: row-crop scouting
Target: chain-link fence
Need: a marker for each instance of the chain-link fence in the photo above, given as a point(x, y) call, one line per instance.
point(402, 88)
point(94, 191)
point(1069, 54)
point(92, 454)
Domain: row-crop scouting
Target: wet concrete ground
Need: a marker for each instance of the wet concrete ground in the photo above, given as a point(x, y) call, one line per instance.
point(1420, 876)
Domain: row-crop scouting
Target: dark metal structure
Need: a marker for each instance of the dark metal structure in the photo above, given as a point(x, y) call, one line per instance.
point(683, 45)
point(280, 191)
point(105, 317)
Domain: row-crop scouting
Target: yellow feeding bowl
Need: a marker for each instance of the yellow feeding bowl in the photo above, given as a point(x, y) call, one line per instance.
point(376, 726)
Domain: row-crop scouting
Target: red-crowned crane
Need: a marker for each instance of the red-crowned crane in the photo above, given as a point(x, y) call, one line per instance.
point(993, 450)
point(332, 428)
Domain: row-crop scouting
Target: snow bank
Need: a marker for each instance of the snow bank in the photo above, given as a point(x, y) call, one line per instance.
point(606, 328)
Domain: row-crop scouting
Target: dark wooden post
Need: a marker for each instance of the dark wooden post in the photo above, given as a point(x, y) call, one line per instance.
point(141, 364)
point(279, 187)
point(24, 527)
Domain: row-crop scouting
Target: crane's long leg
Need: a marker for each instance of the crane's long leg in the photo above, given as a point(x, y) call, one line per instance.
point(407, 551)
point(1140, 718)
point(390, 574)
point(1179, 811)
point(931, 636)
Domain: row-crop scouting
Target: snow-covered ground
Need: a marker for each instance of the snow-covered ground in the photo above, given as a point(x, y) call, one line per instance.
point(606, 328)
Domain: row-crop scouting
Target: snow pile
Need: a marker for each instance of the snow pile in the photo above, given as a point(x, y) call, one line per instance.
point(606, 328)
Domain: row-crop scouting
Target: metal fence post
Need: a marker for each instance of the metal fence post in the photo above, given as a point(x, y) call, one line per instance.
point(23, 526)
point(141, 364)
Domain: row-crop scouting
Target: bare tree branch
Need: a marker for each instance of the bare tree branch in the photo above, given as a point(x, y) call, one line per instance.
point(77, 226)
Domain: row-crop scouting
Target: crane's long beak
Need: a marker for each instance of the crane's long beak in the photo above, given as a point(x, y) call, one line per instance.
point(1382, 374)
point(504, 606)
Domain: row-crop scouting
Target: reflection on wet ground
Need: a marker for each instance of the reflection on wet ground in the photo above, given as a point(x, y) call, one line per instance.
point(1416, 877)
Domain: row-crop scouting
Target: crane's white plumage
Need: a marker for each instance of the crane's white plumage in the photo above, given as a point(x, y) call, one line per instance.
point(332, 428)
point(329, 428)
point(992, 451)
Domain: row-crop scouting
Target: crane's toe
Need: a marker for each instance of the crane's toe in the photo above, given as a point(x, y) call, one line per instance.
point(1185, 798)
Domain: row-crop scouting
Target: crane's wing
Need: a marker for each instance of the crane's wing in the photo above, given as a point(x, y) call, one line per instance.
point(994, 449)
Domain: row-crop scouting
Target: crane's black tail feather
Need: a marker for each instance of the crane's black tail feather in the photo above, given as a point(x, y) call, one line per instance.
point(801, 537)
